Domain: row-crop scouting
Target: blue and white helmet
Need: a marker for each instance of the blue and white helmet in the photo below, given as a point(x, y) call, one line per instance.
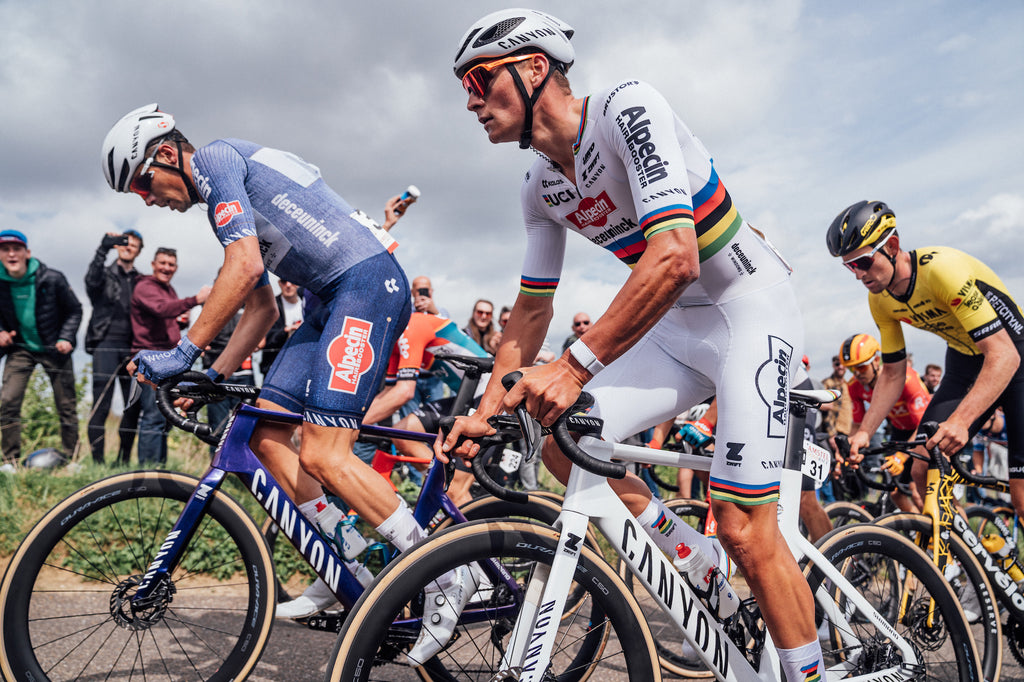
point(515, 30)
point(124, 148)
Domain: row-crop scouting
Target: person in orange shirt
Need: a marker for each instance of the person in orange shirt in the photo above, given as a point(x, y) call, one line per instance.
point(861, 354)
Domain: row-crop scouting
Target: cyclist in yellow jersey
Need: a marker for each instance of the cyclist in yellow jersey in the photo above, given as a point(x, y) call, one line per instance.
point(959, 298)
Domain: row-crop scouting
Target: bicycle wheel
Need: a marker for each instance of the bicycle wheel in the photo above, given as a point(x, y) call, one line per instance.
point(373, 642)
point(65, 597)
point(903, 585)
point(667, 639)
point(970, 583)
point(846, 513)
point(987, 520)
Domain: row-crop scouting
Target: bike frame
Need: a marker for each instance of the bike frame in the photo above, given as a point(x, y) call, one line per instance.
point(589, 497)
point(939, 506)
point(235, 456)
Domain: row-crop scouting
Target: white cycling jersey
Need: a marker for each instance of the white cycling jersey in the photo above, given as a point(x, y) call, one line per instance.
point(639, 172)
point(733, 332)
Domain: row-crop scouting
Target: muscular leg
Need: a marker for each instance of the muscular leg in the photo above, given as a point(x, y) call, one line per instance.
point(326, 454)
point(751, 537)
point(272, 443)
point(684, 479)
point(813, 515)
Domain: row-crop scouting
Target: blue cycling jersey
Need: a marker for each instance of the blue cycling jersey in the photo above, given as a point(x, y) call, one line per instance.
point(308, 234)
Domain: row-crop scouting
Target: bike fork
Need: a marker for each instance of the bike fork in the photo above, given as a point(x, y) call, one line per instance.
point(536, 629)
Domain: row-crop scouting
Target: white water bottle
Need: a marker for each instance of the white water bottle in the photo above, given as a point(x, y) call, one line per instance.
point(352, 542)
point(327, 519)
point(707, 580)
point(340, 530)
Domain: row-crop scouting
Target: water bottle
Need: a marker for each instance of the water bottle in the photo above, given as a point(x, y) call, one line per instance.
point(340, 530)
point(995, 544)
point(409, 196)
point(352, 542)
point(707, 580)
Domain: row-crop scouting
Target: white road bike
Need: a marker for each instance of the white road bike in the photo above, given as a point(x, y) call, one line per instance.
point(883, 611)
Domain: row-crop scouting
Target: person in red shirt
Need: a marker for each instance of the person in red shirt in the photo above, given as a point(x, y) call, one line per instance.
point(860, 353)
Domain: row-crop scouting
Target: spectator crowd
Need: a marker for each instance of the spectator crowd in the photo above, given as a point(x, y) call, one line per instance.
point(40, 318)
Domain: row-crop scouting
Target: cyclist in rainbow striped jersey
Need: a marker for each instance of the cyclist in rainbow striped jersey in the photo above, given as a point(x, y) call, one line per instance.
point(707, 308)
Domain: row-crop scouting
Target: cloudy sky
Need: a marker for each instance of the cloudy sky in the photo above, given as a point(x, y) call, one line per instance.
point(806, 107)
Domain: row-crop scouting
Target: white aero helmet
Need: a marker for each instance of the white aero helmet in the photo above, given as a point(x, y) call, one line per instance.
point(124, 148)
point(515, 30)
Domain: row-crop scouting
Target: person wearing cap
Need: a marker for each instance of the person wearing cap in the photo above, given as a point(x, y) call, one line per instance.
point(707, 305)
point(39, 320)
point(959, 298)
point(108, 338)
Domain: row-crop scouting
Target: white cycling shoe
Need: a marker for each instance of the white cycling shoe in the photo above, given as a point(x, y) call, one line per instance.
point(444, 601)
point(314, 599)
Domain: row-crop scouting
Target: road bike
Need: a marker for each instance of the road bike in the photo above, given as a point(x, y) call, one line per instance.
point(983, 579)
point(885, 610)
point(159, 575)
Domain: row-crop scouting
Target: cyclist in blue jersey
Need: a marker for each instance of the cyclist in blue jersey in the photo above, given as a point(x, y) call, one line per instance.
point(707, 309)
point(272, 212)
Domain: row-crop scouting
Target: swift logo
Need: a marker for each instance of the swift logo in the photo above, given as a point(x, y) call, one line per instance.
point(225, 212)
point(772, 382)
point(350, 355)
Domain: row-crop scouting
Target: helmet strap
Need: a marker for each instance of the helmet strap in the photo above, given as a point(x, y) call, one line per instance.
point(528, 101)
point(179, 168)
point(892, 261)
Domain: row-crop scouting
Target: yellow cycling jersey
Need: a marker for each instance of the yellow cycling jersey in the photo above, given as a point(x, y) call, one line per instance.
point(951, 294)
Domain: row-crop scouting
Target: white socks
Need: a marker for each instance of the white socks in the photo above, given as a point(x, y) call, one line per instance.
point(401, 529)
point(668, 530)
point(308, 509)
point(802, 664)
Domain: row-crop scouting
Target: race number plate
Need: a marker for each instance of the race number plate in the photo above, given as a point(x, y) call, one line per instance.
point(817, 463)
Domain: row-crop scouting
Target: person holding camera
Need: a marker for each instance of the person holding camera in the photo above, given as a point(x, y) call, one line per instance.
point(108, 338)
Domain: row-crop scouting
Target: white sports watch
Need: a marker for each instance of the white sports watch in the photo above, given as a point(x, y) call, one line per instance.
point(585, 357)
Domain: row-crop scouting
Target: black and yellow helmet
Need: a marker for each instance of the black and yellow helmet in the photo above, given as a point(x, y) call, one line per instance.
point(862, 224)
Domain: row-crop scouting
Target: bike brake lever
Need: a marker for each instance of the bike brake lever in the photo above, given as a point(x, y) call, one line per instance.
point(532, 431)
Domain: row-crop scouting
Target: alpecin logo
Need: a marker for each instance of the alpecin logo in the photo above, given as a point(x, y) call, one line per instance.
point(772, 381)
point(225, 211)
point(592, 211)
point(350, 355)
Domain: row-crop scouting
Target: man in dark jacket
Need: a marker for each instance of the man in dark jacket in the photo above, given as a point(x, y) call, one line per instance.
point(109, 338)
point(39, 319)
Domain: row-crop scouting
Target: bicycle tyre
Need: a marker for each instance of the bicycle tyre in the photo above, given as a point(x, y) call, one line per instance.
point(64, 597)
point(987, 631)
point(901, 582)
point(847, 513)
point(982, 518)
point(370, 647)
point(667, 639)
point(666, 485)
